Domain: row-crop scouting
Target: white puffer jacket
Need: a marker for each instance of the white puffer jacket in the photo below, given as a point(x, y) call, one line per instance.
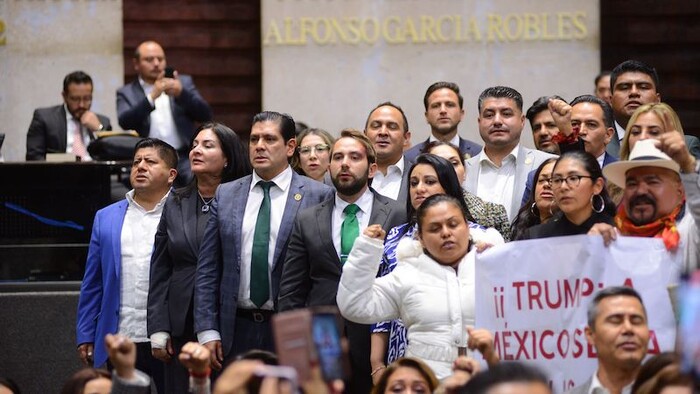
point(434, 302)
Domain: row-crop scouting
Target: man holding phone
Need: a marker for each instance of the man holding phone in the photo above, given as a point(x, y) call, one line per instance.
point(162, 104)
point(324, 234)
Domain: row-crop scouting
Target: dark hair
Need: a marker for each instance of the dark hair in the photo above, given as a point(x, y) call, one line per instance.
point(590, 164)
point(267, 358)
point(608, 117)
point(434, 144)
point(437, 199)
point(233, 149)
point(165, 150)
point(607, 292)
point(653, 366)
point(504, 372)
point(392, 105)
point(541, 104)
point(76, 383)
point(407, 362)
point(448, 180)
point(358, 136)
point(529, 215)
point(285, 121)
point(633, 66)
point(76, 77)
point(443, 85)
point(11, 385)
point(602, 75)
point(670, 375)
point(501, 92)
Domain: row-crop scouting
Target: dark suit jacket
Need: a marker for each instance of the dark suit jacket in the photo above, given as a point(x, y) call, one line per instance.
point(134, 110)
point(98, 306)
point(173, 264)
point(468, 149)
point(47, 132)
point(312, 273)
point(312, 268)
point(218, 269)
point(403, 192)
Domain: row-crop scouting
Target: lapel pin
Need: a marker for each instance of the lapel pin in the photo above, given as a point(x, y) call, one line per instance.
point(297, 197)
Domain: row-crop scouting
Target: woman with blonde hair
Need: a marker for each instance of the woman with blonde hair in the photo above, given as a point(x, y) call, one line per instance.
point(313, 154)
point(650, 121)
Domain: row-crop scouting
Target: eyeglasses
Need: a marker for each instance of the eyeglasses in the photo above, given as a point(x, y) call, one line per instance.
point(306, 150)
point(571, 180)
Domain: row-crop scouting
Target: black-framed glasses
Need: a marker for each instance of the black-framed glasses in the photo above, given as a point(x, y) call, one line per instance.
point(571, 180)
point(319, 148)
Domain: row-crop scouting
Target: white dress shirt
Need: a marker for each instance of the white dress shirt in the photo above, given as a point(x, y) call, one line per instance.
point(162, 123)
point(278, 201)
point(389, 185)
point(620, 132)
point(601, 159)
point(137, 238)
point(454, 141)
point(71, 124)
point(365, 203)
point(496, 184)
point(597, 387)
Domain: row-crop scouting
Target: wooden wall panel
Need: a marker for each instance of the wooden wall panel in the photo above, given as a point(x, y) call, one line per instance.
point(664, 34)
point(217, 42)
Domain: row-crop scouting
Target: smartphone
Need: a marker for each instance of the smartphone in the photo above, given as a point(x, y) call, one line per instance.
point(311, 336)
point(169, 72)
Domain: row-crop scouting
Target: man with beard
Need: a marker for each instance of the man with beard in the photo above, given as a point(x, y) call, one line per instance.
point(444, 110)
point(323, 236)
point(618, 329)
point(661, 196)
point(499, 173)
point(543, 125)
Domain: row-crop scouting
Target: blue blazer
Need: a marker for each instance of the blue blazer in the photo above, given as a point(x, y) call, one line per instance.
point(98, 306)
point(134, 110)
point(467, 147)
point(218, 268)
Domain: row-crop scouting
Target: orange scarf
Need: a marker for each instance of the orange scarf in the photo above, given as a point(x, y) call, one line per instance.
point(664, 227)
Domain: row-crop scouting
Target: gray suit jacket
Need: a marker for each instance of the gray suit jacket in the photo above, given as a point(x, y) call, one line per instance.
point(47, 132)
point(312, 268)
point(528, 160)
point(218, 268)
point(582, 388)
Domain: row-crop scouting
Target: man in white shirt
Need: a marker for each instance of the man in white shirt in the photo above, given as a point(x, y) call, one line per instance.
point(499, 173)
point(114, 291)
point(323, 236)
point(619, 331)
point(387, 128)
point(161, 104)
point(244, 246)
point(444, 110)
point(66, 128)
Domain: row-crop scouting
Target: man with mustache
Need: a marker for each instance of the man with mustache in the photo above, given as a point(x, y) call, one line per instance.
point(661, 196)
point(543, 125)
point(499, 172)
point(324, 234)
point(618, 329)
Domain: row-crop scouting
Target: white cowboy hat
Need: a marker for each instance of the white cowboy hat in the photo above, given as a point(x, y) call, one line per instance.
point(644, 154)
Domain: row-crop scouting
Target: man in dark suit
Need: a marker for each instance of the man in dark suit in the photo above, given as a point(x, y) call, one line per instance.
point(66, 128)
point(444, 110)
point(162, 105)
point(320, 242)
point(244, 246)
point(618, 330)
point(114, 290)
point(387, 129)
point(542, 125)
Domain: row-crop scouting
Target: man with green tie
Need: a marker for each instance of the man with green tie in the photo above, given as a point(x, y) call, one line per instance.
point(323, 236)
point(244, 245)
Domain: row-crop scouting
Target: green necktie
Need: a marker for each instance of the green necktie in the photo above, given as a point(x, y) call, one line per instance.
point(259, 281)
point(349, 230)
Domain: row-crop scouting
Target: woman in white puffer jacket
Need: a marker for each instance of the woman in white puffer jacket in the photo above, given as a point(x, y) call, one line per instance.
point(431, 289)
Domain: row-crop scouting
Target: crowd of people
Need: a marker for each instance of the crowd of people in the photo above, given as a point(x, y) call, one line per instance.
point(189, 278)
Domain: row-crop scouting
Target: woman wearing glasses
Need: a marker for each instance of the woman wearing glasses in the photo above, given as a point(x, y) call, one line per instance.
point(579, 191)
point(312, 156)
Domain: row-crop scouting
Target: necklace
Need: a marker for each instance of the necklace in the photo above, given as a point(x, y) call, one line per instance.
point(205, 202)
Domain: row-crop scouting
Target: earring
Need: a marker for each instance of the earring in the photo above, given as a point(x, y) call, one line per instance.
point(532, 209)
point(602, 203)
point(225, 165)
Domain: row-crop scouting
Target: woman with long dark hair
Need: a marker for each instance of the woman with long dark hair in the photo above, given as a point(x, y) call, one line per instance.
point(540, 206)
